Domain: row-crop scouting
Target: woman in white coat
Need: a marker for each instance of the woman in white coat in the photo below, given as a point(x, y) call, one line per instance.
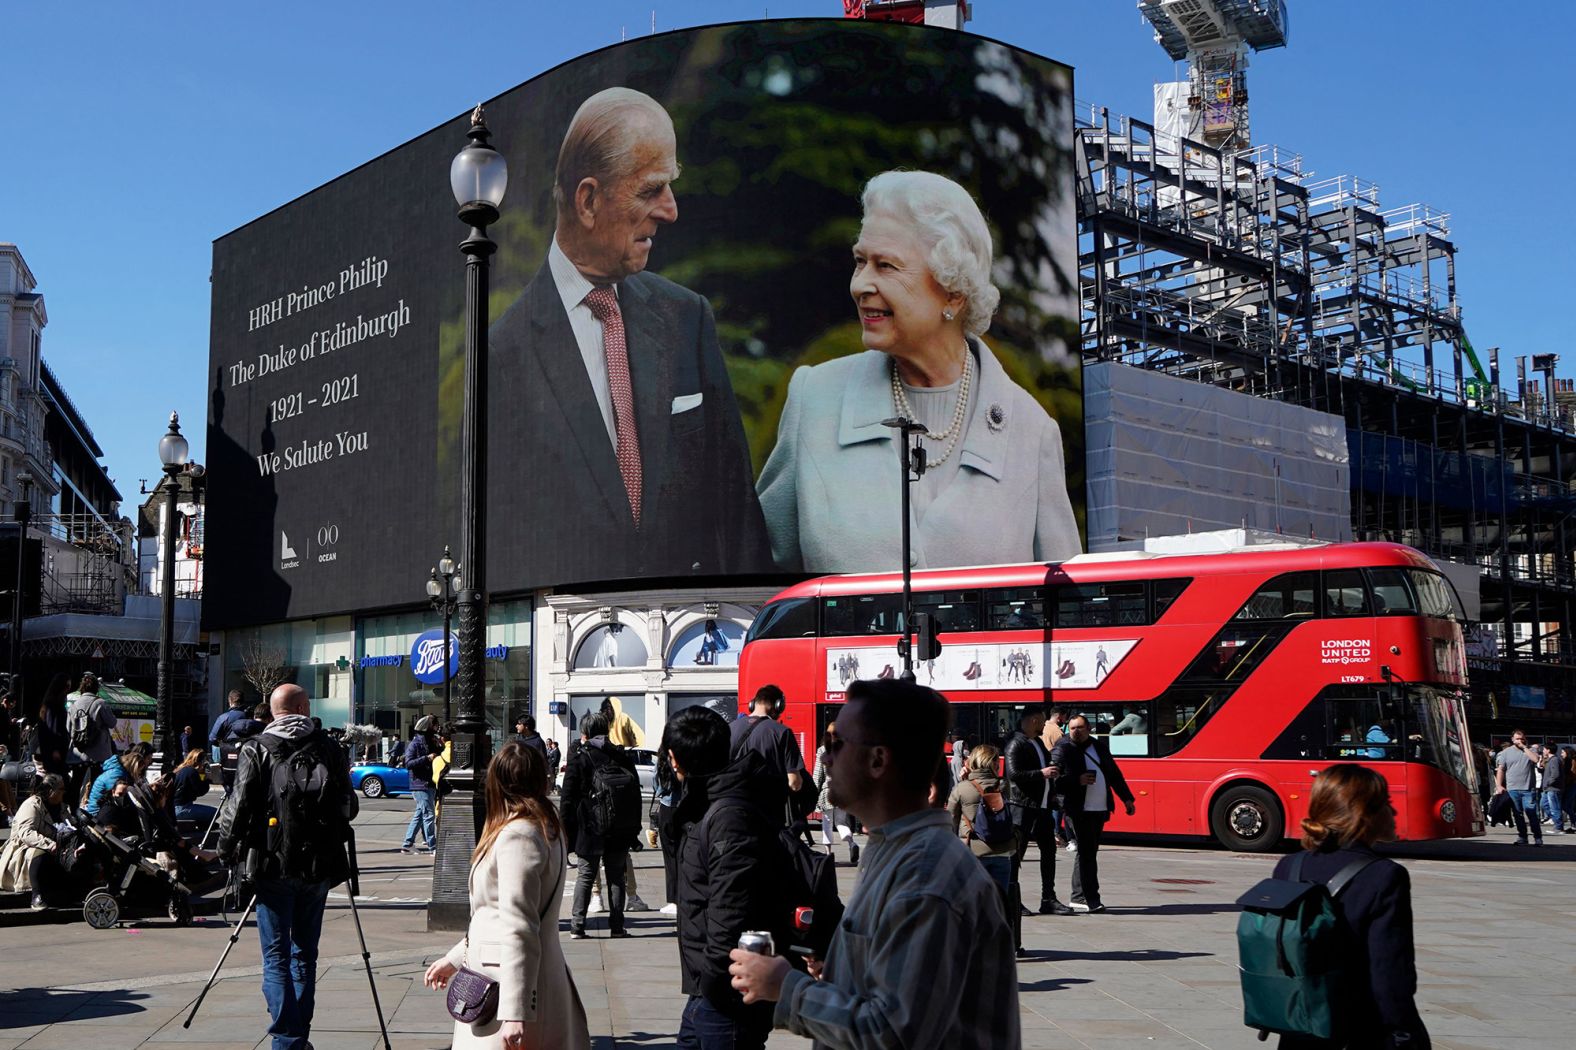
point(996, 487)
point(517, 882)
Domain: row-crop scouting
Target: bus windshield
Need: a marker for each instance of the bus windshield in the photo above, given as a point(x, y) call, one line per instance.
point(1437, 722)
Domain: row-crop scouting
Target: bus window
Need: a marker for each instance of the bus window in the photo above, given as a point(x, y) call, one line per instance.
point(1124, 726)
point(1286, 597)
point(1392, 592)
point(862, 614)
point(1182, 711)
point(1435, 595)
point(954, 610)
point(1101, 605)
point(1015, 608)
point(1233, 654)
point(789, 618)
point(1165, 592)
point(1344, 593)
point(1364, 725)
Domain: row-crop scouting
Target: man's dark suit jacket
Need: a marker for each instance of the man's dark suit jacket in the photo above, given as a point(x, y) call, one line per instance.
point(1070, 763)
point(559, 513)
point(1025, 782)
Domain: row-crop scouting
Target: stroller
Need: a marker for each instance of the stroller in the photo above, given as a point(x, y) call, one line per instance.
point(134, 882)
point(144, 865)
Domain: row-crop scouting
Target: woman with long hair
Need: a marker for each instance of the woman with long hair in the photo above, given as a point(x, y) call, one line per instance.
point(190, 782)
point(1349, 810)
point(517, 882)
point(54, 739)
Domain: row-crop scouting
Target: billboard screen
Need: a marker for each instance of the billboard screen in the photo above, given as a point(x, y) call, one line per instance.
point(725, 257)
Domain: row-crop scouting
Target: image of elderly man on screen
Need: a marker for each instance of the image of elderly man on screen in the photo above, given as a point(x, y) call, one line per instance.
point(996, 488)
point(624, 454)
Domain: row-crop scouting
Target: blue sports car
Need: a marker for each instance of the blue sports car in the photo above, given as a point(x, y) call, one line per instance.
point(375, 780)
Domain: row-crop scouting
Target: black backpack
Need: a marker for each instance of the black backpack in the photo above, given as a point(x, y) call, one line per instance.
point(615, 802)
point(306, 833)
point(809, 880)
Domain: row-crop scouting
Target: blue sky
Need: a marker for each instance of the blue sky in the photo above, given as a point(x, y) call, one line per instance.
point(137, 133)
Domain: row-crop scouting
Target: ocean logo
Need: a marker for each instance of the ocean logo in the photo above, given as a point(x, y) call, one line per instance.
point(426, 657)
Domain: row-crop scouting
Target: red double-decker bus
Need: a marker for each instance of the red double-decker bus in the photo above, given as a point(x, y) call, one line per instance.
point(1222, 682)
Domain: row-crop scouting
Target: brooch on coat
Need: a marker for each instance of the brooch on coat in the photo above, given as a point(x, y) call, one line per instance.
point(995, 417)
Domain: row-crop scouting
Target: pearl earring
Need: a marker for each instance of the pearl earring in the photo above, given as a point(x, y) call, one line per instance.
point(946, 315)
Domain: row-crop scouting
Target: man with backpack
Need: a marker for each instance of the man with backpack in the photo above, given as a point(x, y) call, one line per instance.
point(923, 956)
point(89, 721)
point(731, 875)
point(286, 825)
point(762, 731)
point(223, 726)
point(602, 815)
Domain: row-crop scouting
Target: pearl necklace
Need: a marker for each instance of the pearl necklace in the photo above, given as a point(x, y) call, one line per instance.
point(959, 413)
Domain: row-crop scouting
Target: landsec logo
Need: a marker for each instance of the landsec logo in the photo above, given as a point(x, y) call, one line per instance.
point(426, 657)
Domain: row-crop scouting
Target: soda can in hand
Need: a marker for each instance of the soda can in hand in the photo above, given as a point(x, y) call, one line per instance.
point(757, 941)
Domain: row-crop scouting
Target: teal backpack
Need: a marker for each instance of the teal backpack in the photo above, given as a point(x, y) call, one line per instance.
point(1292, 948)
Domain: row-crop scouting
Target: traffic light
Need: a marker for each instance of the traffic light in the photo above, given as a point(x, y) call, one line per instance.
point(926, 645)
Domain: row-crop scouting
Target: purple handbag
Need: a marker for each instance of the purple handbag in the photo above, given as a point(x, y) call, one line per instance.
point(473, 997)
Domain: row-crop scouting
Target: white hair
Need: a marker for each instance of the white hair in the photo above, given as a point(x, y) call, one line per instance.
point(950, 226)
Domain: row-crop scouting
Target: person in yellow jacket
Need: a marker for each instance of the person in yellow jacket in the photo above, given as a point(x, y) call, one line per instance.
point(622, 730)
point(440, 765)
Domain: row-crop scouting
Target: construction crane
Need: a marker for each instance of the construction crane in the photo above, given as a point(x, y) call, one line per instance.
point(1214, 37)
point(949, 14)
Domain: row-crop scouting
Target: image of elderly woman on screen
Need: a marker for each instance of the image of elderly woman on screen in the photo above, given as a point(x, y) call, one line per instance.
point(996, 488)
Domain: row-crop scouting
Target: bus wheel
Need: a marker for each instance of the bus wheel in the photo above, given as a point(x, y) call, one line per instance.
point(1247, 818)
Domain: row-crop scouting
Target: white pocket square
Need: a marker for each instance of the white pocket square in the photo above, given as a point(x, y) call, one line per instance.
point(685, 402)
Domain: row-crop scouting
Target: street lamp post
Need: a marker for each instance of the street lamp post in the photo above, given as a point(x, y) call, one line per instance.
point(440, 594)
point(173, 452)
point(24, 515)
point(478, 177)
point(912, 463)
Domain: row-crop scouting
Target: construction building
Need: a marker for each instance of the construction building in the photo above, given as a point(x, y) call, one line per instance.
point(84, 577)
point(1212, 260)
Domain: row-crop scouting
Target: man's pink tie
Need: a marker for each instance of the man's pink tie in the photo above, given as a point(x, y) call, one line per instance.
point(604, 304)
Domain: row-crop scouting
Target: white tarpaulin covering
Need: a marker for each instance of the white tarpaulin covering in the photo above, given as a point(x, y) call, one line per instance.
point(1170, 456)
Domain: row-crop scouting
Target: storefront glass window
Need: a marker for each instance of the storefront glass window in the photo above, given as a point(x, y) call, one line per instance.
point(710, 643)
point(314, 654)
point(611, 645)
point(390, 696)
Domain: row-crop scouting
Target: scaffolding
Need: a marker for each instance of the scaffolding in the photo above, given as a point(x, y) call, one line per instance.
point(89, 564)
point(1242, 269)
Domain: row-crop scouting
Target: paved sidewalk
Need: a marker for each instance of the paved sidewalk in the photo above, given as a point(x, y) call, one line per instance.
point(1495, 928)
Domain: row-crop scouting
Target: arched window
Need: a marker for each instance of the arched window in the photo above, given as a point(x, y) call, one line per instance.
point(708, 643)
point(611, 645)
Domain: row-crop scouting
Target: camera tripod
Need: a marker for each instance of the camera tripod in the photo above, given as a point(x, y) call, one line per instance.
point(366, 956)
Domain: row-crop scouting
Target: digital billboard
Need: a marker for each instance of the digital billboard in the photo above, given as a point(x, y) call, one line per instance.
point(726, 256)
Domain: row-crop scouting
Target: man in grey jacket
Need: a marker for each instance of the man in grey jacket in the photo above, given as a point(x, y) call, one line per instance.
point(91, 718)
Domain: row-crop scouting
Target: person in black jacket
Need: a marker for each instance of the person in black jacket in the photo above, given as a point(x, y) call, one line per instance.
point(292, 886)
point(1349, 810)
point(54, 738)
point(1031, 794)
point(593, 850)
point(729, 874)
point(1088, 781)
